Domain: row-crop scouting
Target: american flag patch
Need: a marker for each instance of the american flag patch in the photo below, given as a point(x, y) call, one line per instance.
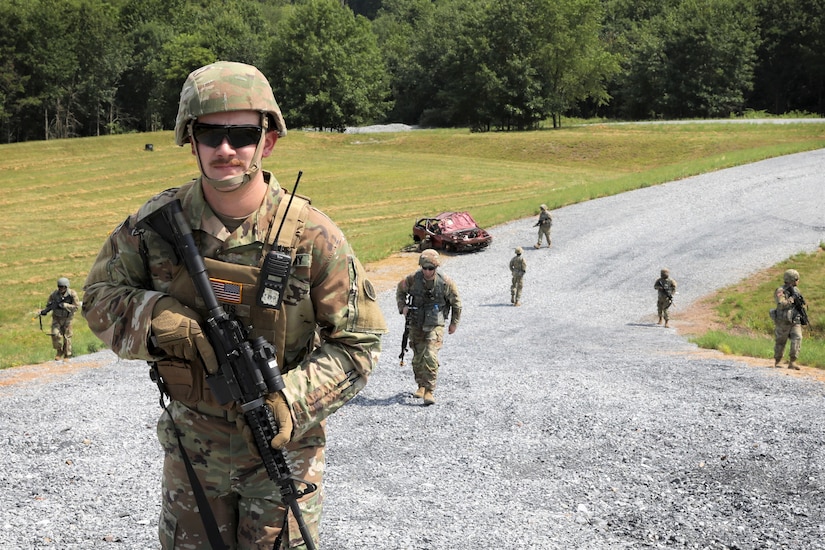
point(227, 291)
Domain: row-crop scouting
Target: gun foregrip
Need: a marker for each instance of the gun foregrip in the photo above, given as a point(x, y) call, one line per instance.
point(264, 427)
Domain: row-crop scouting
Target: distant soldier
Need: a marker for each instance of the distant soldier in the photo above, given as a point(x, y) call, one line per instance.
point(518, 267)
point(667, 288)
point(433, 298)
point(63, 303)
point(788, 317)
point(544, 224)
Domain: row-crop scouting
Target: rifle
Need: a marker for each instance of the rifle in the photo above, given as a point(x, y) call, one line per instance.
point(799, 306)
point(665, 287)
point(248, 370)
point(406, 336)
point(67, 299)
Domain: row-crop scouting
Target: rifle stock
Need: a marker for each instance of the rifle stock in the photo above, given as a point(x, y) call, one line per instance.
point(248, 371)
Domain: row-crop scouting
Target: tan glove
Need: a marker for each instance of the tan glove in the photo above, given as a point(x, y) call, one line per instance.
point(280, 410)
point(178, 333)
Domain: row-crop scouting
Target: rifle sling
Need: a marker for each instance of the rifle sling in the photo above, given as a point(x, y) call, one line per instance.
point(207, 517)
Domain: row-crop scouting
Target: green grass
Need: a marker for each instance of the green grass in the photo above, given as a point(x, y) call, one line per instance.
point(61, 198)
point(742, 311)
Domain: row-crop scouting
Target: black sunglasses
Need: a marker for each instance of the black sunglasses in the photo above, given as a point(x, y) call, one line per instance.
point(428, 268)
point(212, 135)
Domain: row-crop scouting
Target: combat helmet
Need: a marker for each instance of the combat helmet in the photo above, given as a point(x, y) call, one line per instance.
point(226, 86)
point(429, 258)
point(543, 207)
point(790, 276)
point(63, 281)
point(519, 250)
point(665, 272)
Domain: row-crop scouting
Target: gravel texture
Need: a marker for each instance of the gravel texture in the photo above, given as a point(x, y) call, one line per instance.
point(572, 422)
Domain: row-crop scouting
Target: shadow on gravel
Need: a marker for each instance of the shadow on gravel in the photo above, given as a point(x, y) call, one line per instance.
point(400, 398)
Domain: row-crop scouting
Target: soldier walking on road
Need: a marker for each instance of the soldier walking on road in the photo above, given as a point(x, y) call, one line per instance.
point(788, 317)
point(667, 288)
point(518, 267)
point(544, 224)
point(434, 299)
point(63, 304)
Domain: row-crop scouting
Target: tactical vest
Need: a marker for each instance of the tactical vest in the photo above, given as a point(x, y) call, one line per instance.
point(431, 306)
point(236, 289)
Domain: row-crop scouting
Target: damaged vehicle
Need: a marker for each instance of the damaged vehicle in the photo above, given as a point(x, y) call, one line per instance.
point(450, 231)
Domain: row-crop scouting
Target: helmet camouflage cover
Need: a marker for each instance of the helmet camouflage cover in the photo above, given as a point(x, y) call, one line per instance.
point(791, 276)
point(222, 87)
point(519, 250)
point(63, 281)
point(429, 258)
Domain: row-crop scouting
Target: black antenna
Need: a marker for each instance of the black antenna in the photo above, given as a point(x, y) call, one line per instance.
point(292, 196)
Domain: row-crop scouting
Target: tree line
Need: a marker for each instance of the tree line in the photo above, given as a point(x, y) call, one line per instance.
point(92, 67)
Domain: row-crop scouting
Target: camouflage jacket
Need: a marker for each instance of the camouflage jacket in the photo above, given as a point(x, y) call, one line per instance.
point(63, 308)
point(432, 301)
point(545, 219)
point(786, 312)
point(666, 287)
point(518, 265)
point(328, 332)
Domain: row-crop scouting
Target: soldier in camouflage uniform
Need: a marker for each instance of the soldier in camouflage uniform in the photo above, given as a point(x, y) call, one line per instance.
point(430, 298)
point(327, 331)
point(63, 303)
point(787, 320)
point(518, 267)
point(666, 288)
point(545, 223)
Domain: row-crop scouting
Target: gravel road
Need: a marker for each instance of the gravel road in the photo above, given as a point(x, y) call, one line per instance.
point(572, 422)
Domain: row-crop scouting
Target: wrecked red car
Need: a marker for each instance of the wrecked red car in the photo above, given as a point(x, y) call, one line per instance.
point(450, 231)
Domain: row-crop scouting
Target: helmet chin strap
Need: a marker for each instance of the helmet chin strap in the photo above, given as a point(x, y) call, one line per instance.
point(238, 181)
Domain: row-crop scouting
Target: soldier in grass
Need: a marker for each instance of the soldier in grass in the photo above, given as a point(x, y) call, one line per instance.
point(666, 288)
point(63, 303)
point(788, 316)
point(141, 302)
point(518, 267)
point(431, 298)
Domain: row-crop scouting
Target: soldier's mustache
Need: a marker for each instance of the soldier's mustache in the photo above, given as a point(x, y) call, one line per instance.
point(222, 163)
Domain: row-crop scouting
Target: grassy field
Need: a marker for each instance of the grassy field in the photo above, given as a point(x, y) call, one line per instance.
point(61, 198)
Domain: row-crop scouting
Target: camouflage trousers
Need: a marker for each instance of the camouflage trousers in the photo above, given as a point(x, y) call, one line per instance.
point(62, 335)
point(662, 307)
point(784, 332)
point(515, 287)
point(544, 231)
point(426, 345)
point(245, 502)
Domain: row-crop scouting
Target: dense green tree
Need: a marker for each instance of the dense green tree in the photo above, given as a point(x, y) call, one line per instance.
point(790, 73)
point(695, 59)
point(326, 68)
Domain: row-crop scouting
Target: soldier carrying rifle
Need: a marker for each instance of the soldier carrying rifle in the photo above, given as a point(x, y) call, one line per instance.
point(789, 316)
point(291, 297)
point(62, 304)
point(667, 288)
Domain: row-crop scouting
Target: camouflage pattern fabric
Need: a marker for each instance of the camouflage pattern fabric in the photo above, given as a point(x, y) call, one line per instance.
point(786, 325)
point(328, 329)
point(432, 303)
point(425, 345)
point(518, 267)
point(245, 502)
point(62, 319)
point(664, 285)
